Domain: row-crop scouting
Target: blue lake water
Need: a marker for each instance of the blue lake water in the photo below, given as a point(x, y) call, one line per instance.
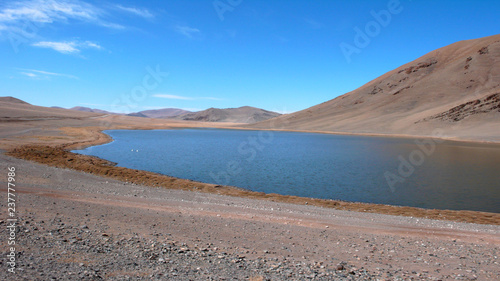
point(408, 172)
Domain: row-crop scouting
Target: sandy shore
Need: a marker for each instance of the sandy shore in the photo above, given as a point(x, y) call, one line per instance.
point(74, 225)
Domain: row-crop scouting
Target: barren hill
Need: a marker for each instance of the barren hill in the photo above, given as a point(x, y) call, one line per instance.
point(160, 113)
point(245, 114)
point(16, 109)
point(88, 109)
point(12, 100)
point(455, 88)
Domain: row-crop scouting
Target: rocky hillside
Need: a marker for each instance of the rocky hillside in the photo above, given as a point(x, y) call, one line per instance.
point(455, 88)
point(88, 109)
point(13, 109)
point(160, 113)
point(12, 100)
point(245, 114)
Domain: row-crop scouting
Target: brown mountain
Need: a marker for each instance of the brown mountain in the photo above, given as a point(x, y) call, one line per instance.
point(12, 100)
point(88, 109)
point(160, 113)
point(455, 88)
point(245, 114)
point(12, 109)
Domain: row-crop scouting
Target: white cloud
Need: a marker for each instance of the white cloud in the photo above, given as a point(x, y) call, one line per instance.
point(284, 111)
point(31, 73)
point(93, 45)
point(62, 47)
point(138, 12)
point(192, 109)
point(49, 11)
point(187, 31)
point(14, 15)
point(112, 25)
point(173, 97)
point(70, 47)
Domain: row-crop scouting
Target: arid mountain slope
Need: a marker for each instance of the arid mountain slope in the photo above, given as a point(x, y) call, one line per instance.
point(160, 113)
point(12, 109)
point(245, 114)
point(88, 109)
point(22, 123)
point(12, 100)
point(455, 88)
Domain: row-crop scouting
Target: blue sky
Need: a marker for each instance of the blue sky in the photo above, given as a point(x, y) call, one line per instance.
point(128, 56)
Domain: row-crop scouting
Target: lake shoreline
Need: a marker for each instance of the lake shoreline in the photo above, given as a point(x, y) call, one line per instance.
point(75, 224)
point(87, 135)
point(62, 158)
point(98, 137)
point(348, 168)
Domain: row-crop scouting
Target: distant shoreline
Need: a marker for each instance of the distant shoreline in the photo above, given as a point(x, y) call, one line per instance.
point(70, 134)
point(58, 156)
point(377, 135)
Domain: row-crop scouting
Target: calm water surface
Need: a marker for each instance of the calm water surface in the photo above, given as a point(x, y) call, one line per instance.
point(353, 168)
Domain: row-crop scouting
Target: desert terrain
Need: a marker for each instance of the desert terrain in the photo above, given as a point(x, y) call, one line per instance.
point(79, 226)
point(455, 89)
point(82, 218)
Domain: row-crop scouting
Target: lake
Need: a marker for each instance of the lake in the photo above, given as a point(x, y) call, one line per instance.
point(423, 173)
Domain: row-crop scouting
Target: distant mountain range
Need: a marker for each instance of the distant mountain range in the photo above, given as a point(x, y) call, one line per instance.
point(245, 114)
point(88, 109)
point(15, 109)
point(160, 113)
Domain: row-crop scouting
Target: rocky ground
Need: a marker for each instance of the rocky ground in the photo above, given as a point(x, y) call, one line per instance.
point(60, 251)
point(76, 226)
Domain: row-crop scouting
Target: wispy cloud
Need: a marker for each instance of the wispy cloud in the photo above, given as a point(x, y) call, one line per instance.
point(175, 97)
point(29, 74)
point(192, 109)
point(136, 11)
point(284, 111)
point(68, 47)
point(92, 45)
point(49, 11)
point(189, 32)
point(33, 73)
point(62, 47)
point(15, 15)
